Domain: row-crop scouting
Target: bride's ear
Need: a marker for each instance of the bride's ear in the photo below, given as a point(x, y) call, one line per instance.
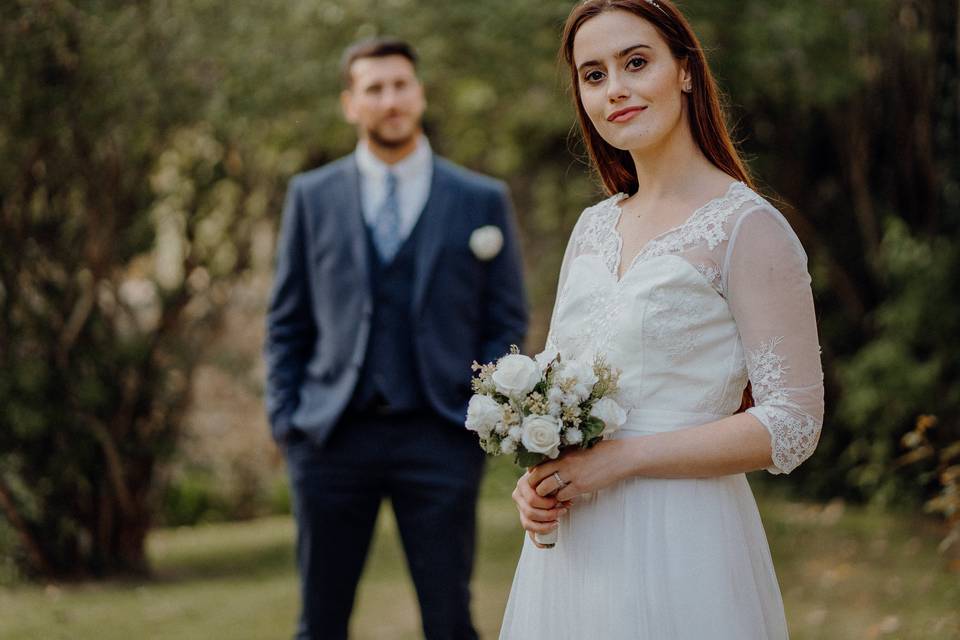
point(686, 79)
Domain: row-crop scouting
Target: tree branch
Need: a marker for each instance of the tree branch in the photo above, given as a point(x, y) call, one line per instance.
point(114, 465)
point(34, 551)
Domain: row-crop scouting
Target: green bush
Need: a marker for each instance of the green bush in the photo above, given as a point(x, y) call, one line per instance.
point(910, 367)
point(191, 499)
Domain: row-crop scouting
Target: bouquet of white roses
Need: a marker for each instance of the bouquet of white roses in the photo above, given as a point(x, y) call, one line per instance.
point(533, 408)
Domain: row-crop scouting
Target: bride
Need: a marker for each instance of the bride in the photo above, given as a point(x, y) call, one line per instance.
point(693, 285)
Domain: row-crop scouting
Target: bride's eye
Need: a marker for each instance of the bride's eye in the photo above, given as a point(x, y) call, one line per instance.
point(593, 76)
point(637, 63)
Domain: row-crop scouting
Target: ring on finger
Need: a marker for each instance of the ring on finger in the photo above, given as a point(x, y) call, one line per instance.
point(560, 482)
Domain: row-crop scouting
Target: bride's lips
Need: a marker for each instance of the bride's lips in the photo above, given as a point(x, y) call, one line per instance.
point(624, 114)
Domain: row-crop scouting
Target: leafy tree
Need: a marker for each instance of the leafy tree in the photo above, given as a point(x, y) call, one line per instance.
point(124, 216)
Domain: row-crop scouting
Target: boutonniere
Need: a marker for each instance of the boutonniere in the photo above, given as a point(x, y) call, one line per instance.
point(486, 242)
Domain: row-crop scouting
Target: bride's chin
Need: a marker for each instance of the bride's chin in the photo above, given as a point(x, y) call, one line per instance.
point(627, 142)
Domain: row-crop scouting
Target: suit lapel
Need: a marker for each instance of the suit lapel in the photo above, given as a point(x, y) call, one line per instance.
point(434, 221)
point(353, 219)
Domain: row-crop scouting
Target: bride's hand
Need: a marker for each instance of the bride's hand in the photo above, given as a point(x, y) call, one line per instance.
point(538, 514)
point(580, 470)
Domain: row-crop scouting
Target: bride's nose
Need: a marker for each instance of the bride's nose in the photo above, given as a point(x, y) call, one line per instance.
point(617, 89)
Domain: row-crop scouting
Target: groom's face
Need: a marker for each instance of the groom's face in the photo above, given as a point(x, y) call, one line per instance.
point(385, 100)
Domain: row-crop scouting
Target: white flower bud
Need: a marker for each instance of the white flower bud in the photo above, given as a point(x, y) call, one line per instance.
point(610, 413)
point(581, 372)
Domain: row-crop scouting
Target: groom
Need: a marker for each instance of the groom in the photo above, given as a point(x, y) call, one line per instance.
point(396, 269)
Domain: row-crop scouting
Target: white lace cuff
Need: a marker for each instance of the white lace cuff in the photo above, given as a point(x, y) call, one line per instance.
point(793, 435)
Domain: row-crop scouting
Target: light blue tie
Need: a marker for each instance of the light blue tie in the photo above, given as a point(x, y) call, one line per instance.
point(386, 226)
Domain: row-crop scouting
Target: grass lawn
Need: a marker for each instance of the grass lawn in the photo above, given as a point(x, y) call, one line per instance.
point(845, 573)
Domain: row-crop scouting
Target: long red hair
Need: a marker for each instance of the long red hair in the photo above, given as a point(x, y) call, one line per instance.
point(705, 112)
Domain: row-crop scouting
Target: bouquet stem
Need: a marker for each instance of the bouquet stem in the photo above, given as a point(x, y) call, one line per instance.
point(548, 539)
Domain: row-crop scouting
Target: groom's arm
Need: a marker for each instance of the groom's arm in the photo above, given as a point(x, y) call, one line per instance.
point(504, 301)
point(291, 330)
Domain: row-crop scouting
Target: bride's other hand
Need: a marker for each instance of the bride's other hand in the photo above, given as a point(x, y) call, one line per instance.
point(538, 514)
point(581, 471)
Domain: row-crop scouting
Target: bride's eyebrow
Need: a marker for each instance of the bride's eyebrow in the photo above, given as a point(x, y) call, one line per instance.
point(620, 54)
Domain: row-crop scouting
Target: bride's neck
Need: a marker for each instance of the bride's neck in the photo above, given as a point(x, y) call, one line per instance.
point(670, 168)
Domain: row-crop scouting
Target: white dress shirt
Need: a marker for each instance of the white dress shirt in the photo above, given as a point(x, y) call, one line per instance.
point(414, 174)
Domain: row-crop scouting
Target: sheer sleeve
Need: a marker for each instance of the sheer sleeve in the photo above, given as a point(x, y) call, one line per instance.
point(768, 289)
point(571, 252)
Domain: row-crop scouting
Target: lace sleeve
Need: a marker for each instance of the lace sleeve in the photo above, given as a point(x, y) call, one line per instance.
point(768, 288)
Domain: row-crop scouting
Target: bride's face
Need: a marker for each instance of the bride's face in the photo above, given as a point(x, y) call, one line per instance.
point(631, 86)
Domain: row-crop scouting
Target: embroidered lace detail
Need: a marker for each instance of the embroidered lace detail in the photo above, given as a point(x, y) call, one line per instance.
point(705, 225)
point(670, 322)
point(767, 372)
point(794, 434)
point(711, 274)
point(605, 304)
point(597, 237)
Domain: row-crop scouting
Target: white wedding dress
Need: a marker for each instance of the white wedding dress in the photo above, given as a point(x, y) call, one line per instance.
point(723, 298)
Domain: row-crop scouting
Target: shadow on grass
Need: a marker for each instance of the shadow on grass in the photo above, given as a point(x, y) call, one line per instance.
point(256, 562)
point(262, 549)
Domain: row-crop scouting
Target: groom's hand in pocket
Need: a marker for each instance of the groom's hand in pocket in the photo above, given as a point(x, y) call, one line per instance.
point(538, 514)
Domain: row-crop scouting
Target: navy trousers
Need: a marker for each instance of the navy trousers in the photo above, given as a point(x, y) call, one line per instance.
point(430, 470)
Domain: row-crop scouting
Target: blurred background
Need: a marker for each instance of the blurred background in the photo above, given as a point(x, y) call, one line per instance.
point(145, 149)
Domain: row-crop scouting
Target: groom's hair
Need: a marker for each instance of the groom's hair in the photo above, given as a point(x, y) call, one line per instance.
point(374, 48)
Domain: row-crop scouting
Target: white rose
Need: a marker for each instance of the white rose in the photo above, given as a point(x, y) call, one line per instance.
point(508, 446)
point(582, 372)
point(483, 413)
point(610, 413)
point(572, 436)
point(516, 375)
point(486, 242)
point(541, 434)
point(545, 357)
point(514, 433)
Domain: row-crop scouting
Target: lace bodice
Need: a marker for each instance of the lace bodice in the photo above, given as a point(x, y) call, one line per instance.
point(720, 299)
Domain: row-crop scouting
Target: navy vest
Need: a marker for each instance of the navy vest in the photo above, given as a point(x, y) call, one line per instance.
point(390, 376)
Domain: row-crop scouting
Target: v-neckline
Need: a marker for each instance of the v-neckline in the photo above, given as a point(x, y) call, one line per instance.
point(620, 197)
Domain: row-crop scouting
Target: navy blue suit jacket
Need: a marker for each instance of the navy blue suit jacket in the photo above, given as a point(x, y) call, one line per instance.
point(318, 322)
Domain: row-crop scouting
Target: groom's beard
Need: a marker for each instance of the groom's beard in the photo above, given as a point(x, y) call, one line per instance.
point(383, 141)
point(395, 130)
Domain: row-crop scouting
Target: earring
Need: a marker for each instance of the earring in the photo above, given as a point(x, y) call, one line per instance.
point(687, 88)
